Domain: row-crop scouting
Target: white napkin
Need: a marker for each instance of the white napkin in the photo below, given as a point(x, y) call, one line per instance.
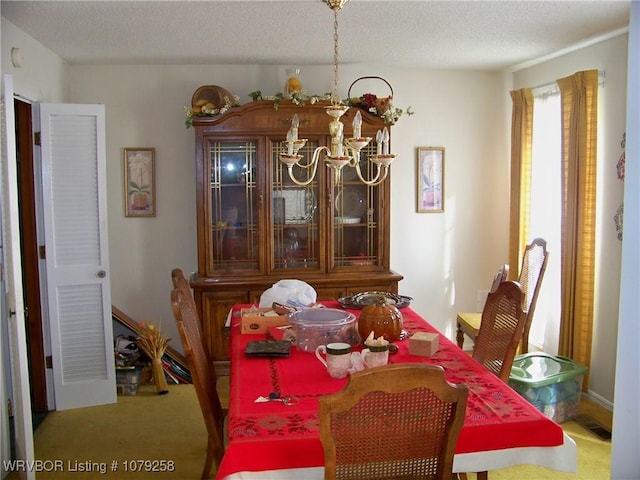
point(357, 364)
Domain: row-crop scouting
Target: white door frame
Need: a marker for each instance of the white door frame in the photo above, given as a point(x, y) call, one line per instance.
point(14, 302)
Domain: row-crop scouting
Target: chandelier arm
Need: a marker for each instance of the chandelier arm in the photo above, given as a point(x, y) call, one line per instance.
point(306, 166)
point(313, 163)
point(375, 180)
point(295, 180)
point(355, 163)
point(354, 156)
point(386, 174)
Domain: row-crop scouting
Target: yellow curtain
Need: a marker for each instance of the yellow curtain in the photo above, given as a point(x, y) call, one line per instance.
point(521, 139)
point(579, 96)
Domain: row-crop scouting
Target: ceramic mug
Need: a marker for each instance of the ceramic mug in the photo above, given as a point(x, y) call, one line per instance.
point(375, 356)
point(338, 358)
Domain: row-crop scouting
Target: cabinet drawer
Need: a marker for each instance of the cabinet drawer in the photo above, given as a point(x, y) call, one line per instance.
point(215, 307)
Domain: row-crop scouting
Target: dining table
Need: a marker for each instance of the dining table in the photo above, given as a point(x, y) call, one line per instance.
point(279, 440)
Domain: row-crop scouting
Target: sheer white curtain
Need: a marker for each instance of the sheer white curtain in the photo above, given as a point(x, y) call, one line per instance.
point(545, 212)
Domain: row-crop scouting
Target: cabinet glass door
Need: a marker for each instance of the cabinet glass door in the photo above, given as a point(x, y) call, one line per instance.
point(355, 220)
point(234, 207)
point(296, 233)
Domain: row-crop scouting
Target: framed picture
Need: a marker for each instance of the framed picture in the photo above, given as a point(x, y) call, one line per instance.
point(430, 194)
point(139, 182)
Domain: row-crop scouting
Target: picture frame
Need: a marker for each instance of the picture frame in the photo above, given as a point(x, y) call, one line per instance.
point(139, 182)
point(430, 175)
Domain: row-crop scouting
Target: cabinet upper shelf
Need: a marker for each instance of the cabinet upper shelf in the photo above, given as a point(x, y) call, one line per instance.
point(254, 117)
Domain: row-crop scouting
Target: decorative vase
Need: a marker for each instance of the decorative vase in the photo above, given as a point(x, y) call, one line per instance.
point(293, 84)
point(158, 376)
point(381, 318)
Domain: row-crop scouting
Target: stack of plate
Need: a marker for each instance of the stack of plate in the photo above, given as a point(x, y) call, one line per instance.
point(361, 300)
point(347, 220)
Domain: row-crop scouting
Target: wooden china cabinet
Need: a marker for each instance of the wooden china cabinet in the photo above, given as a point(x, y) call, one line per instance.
point(256, 226)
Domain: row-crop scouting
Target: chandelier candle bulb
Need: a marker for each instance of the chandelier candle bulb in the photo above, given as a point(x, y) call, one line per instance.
point(294, 127)
point(290, 142)
point(357, 125)
point(379, 143)
point(385, 141)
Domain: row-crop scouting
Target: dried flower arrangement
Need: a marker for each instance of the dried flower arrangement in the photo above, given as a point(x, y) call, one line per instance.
point(153, 342)
point(380, 106)
point(299, 97)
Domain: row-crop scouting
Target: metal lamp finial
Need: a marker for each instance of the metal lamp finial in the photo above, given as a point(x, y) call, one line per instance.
point(336, 4)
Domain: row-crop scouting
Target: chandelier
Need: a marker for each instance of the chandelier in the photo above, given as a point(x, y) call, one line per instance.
point(344, 152)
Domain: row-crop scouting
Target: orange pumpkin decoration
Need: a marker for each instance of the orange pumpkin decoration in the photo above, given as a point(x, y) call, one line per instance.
point(385, 320)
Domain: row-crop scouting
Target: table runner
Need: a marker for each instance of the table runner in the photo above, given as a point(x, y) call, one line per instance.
point(268, 436)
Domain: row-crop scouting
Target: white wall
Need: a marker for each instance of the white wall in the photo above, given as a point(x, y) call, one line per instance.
point(43, 77)
point(445, 258)
point(611, 57)
point(144, 107)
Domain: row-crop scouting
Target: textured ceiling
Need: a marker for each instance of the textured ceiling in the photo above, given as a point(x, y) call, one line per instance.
point(488, 35)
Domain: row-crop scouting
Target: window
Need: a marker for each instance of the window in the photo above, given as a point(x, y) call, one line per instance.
point(545, 212)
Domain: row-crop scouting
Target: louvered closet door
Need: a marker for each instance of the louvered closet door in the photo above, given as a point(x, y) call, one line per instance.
point(77, 263)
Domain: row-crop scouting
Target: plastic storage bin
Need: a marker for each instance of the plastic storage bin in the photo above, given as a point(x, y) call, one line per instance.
point(553, 384)
point(127, 380)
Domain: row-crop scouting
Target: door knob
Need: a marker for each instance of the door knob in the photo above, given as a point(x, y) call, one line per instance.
point(102, 274)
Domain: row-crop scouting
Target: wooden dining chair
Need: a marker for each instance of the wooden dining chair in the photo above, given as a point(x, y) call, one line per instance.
point(180, 281)
point(468, 323)
point(395, 421)
point(202, 374)
point(534, 264)
point(501, 328)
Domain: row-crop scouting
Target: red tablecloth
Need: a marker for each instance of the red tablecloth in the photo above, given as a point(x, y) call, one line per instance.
point(269, 436)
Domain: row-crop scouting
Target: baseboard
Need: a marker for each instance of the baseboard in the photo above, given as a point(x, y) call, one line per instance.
point(603, 402)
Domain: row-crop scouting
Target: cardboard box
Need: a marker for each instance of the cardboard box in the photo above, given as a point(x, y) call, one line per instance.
point(258, 320)
point(424, 344)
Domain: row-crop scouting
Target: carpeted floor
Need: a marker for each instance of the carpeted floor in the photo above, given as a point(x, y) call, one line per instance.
point(169, 427)
point(594, 459)
point(142, 427)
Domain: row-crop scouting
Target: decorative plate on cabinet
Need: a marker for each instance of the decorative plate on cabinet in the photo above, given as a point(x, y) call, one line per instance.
point(347, 220)
point(350, 203)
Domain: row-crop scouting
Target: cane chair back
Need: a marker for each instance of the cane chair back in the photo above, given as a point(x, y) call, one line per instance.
point(501, 276)
point(534, 264)
point(180, 281)
point(203, 375)
point(501, 329)
point(468, 323)
point(392, 422)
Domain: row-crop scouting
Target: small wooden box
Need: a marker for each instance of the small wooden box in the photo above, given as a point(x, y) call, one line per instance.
point(258, 320)
point(424, 344)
